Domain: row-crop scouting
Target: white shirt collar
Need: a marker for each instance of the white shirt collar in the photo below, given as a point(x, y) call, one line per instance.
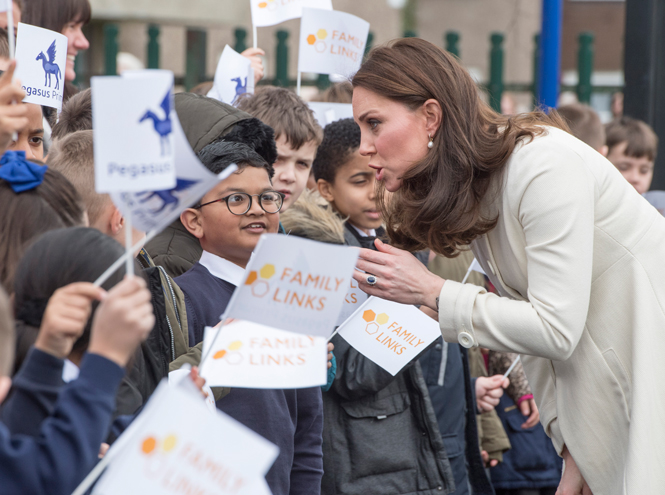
point(372, 232)
point(221, 268)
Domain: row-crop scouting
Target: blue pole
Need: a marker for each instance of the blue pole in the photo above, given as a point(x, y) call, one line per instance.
point(550, 53)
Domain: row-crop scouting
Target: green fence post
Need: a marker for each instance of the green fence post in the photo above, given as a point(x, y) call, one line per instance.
point(153, 46)
point(495, 86)
point(585, 67)
point(410, 33)
point(110, 49)
point(452, 43)
point(536, 65)
point(368, 46)
point(196, 57)
point(241, 35)
point(323, 81)
point(282, 60)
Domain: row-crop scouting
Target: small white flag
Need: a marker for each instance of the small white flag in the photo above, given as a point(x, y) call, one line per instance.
point(271, 12)
point(326, 113)
point(294, 284)
point(41, 58)
point(177, 446)
point(331, 42)
point(133, 132)
point(389, 333)
point(250, 355)
point(5, 5)
point(475, 266)
point(234, 77)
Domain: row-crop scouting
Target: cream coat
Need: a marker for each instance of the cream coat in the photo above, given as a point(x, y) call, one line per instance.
point(578, 257)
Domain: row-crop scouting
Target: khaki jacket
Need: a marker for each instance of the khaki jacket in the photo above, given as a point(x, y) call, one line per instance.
point(577, 256)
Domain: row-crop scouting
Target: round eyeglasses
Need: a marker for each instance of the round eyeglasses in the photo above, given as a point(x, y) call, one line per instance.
point(240, 203)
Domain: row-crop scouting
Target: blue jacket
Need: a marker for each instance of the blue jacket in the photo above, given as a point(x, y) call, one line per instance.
point(531, 461)
point(291, 419)
point(57, 460)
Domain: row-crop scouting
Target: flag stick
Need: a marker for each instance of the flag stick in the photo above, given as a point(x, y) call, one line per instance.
point(298, 84)
point(12, 42)
point(128, 254)
point(468, 272)
point(512, 366)
point(129, 257)
point(255, 39)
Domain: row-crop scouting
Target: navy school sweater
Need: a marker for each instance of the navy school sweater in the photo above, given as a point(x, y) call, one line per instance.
point(66, 449)
point(291, 419)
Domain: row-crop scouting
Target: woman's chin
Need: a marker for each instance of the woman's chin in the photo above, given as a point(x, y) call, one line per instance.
point(393, 185)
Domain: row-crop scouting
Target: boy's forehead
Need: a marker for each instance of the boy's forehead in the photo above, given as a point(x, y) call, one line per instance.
point(246, 179)
point(306, 152)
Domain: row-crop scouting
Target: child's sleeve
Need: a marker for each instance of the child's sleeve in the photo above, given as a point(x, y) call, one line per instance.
point(34, 393)
point(66, 449)
point(307, 468)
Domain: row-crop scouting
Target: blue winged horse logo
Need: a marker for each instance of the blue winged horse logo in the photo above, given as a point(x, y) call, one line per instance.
point(166, 196)
point(50, 67)
point(163, 126)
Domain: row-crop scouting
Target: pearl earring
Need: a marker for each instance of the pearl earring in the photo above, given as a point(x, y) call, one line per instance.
point(430, 145)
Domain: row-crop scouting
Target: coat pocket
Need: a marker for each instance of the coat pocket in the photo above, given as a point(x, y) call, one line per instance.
point(383, 439)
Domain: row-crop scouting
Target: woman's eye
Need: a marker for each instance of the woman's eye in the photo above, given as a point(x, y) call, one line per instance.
point(373, 123)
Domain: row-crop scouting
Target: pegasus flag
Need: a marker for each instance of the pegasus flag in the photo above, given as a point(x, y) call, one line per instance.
point(271, 12)
point(133, 132)
point(331, 42)
point(234, 77)
point(390, 334)
point(41, 56)
point(176, 445)
point(294, 284)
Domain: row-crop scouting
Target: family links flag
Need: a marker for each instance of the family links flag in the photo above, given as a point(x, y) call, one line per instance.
point(294, 284)
point(389, 333)
point(41, 57)
point(177, 445)
point(234, 77)
point(251, 355)
point(331, 42)
point(271, 12)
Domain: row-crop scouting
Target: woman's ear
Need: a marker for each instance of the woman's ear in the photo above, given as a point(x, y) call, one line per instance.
point(325, 190)
point(433, 116)
point(192, 222)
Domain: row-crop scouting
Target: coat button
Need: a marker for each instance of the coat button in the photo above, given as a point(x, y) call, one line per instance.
point(438, 347)
point(465, 339)
point(440, 488)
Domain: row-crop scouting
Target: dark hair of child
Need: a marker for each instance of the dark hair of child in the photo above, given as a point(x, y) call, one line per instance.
point(6, 335)
point(219, 155)
point(202, 88)
point(53, 204)
point(55, 14)
point(4, 43)
point(56, 259)
point(641, 139)
point(76, 115)
point(341, 92)
point(340, 140)
point(285, 112)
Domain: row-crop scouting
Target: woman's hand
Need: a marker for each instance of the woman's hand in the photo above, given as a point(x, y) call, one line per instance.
point(489, 390)
point(529, 409)
point(401, 277)
point(572, 482)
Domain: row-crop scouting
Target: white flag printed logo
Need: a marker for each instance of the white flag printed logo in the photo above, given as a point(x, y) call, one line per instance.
point(331, 42)
point(271, 12)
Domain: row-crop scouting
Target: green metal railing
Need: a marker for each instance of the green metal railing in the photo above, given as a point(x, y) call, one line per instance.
point(196, 70)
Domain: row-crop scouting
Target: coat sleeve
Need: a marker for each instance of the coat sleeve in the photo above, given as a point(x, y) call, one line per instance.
point(357, 376)
point(66, 449)
point(553, 202)
point(34, 393)
point(307, 468)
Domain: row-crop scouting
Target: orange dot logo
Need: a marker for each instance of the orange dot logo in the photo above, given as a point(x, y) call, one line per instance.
point(263, 5)
point(374, 321)
point(316, 40)
point(258, 280)
point(151, 445)
point(230, 353)
point(271, 5)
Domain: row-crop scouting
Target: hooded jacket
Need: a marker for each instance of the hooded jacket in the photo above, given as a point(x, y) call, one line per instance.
point(380, 431)
point(204, 121)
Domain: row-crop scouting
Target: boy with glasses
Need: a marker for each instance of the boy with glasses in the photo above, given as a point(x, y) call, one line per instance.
point(228, 222)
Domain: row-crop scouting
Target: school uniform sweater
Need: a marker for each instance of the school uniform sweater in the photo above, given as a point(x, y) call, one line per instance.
point(66, 449)
point(291, 419)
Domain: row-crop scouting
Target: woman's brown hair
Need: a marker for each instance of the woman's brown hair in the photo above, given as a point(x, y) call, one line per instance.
point(55, 14)
point(52, 205)
point(438, 205)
